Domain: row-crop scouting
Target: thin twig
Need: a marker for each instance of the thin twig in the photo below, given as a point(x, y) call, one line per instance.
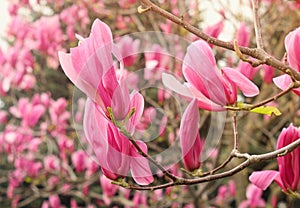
point(149, 158)
point(253, 52)
point(257, 27)
point(250, 159)
point(235, 132)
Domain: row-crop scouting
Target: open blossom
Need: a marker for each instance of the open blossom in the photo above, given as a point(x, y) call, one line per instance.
point(288, 176)
point(292, 46)
point(213, 89)
point(90, 67)
point(190, 142)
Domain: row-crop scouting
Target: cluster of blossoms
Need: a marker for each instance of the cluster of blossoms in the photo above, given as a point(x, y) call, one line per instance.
point(42, 162)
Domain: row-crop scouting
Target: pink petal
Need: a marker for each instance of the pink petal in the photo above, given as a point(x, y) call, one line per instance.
point(172, 83)
point(282, 81)
point(199, 69)
point(189, 137)
point(248, 88)
point(120, 101)
point(118, 149)
point(140, 168)
point(243, 35)
point(36, 114)
point(95, 127)
point(203, 102)
point(292, 45)
point(263, 179)
point(136, 102)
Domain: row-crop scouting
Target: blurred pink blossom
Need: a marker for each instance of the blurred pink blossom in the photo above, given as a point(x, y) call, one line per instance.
point(254, 198)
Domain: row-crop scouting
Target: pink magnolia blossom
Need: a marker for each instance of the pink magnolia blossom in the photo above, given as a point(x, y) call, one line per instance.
point(267, 73)
point(292, 46)
point(157, 61)
point(288, 176)
point(79, 160)
point(243, 35)
point(90, 67)
point(29, 113)
point(226, 192)
point(97, 77)
point(214, 30)
point(212, 88)
point(113, 144)
point(254, 198)
point(51, 163)
point(247, 69)
point(191, 144)
point(129, 49)
point(126, 3)
point(3, 117)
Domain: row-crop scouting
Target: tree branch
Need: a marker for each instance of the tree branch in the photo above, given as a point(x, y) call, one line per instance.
point(253, 52)
point(250, 159)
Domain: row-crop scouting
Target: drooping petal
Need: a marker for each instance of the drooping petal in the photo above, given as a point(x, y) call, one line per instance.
point(248, 88)
point(95, 127)
point(140, 168)
point(190, 138)
point(199, 69)
point(118, 152)
point(247, 69)
point(263, 179)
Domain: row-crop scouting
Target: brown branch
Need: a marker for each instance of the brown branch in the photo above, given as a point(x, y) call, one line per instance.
point(250, 159)
point(256, 53)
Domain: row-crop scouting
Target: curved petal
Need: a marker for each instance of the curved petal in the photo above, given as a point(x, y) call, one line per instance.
point(120, 101)
point(263, 179)
point(94, 126)
point(172, 83)
point(248, 88)
point(140, 168)
point(199, 69)
point(283, 81)
point(292, 45)
point(189, 137)
point(137, 103)
point(203, 102)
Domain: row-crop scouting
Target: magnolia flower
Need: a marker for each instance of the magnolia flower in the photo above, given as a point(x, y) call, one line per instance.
point(288, 176)
point(243, 35)
point(292, 46)
point(190, 142)
point(90, 67)
point(212, 88)
point(115, 153)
